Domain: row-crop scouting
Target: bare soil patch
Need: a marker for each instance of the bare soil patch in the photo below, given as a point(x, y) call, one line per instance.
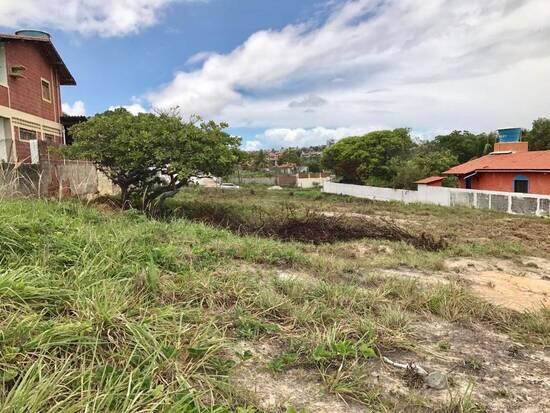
point(517, 285)
point(506, 376)
point(296, 388)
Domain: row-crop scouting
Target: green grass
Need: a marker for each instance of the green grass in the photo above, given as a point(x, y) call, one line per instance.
point(110, 311)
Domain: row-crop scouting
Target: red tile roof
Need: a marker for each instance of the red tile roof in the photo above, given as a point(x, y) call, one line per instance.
point(430, 180)
point(509, 161)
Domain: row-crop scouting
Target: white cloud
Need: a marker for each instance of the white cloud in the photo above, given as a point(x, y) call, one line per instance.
point(134, 108)
point(103, 17)
point(252, 145)
point(199, 57)
point(284, 137)
point(76, 109)
point(311, 101)
point(430, 65)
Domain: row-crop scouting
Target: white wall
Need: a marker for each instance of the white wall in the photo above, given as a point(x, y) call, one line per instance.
point(510, 202)
point(371, 192)
point(311, 182)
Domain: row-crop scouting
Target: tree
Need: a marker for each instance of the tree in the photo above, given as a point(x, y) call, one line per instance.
point(260, 160)
point(290, 155)
point(539, 136)
point(151, 156)
point(464, 145)
point(313, 165)
point(358, 159)
point(424, 163)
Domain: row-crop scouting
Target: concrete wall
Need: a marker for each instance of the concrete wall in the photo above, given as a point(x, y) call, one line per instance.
point(259, 180)
point(309, 180)
point(303, 180)
point(55, 179)
point(509, 202)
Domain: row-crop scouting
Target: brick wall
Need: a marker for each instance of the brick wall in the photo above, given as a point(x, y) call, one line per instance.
point(26, 93)
point(287, 180)
point(4, 100)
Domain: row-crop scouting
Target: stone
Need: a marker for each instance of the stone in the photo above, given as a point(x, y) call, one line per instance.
point(384, 249)
point(436, 380)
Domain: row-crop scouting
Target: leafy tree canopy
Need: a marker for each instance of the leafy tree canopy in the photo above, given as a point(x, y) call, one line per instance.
point(422, 164)
point(151, 156)
point(539, 136)
point(360, 158)
point(464, 145)
point(290, 155)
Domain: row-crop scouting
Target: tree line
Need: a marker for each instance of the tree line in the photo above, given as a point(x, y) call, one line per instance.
point(151, 156)
point(392, 158)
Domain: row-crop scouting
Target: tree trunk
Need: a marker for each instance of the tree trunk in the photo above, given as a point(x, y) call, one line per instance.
point(124, 196)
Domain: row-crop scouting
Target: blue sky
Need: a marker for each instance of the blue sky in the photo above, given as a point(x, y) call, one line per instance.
point(288, 72)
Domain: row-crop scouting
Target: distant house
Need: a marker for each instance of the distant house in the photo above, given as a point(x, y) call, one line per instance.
point(510, 168)
point(285, 169)
point(431, 181)
point(31, 73)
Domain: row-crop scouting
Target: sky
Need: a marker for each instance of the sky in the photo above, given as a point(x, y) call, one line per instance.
point(298, 72)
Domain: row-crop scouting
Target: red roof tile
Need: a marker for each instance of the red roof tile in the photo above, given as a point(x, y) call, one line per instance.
point(514, 161)
point(430, 180)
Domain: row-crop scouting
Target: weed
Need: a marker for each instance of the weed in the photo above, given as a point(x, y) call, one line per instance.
point(282, 362)
point(473, 363)
point(444, 345)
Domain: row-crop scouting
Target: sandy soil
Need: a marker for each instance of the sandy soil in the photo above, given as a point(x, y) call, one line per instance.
point(502, 375)
point(506, 376)
point(277, 392)
point(520, 286)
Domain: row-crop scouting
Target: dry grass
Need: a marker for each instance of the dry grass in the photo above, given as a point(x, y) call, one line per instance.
point(117, 312)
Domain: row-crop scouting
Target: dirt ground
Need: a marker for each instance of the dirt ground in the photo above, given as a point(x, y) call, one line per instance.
point(520, 286)
point(294, 389)
point(501, 374)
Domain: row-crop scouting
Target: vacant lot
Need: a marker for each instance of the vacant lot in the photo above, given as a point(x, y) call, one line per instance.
point(103, 310)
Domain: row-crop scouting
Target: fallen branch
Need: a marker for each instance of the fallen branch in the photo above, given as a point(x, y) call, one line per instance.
point(412, 366)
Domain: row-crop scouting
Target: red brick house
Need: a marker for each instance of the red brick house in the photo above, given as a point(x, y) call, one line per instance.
point(31, 73)
point(510, 168)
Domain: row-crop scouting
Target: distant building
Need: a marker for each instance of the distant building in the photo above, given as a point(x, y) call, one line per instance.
point(431, 181)
point(510, 168)
point(31, 73)
point(273, 157)
point(285, 169)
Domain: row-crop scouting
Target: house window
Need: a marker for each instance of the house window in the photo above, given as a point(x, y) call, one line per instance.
point(3, 65)
point(46, 91)
point(521, 184)
point(26, 134)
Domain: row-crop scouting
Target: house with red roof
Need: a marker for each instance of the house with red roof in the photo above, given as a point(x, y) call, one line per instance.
point(31, 73)
point(510, 168)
